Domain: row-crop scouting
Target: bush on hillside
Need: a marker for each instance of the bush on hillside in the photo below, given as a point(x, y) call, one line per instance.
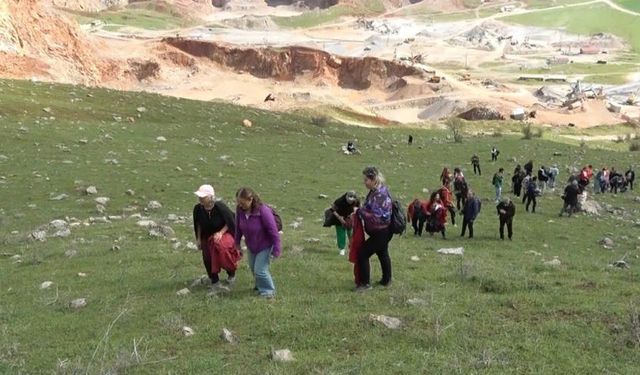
point(455, 125)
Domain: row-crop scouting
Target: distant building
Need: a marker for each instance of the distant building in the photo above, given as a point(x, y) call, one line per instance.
point(507, 8)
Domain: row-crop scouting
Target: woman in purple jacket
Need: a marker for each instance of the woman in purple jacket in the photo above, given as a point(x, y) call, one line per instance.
point(255, 221)
point(376, 215)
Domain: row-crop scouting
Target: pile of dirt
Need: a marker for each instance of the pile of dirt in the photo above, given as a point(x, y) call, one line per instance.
point(287, 63)
point(481, 113)
point(603, 41)
point(251, 23)
point(441, 108)
point(34, 31)
point(303, 4)
point(413, 88)
point(484, 36)
point(552, 94)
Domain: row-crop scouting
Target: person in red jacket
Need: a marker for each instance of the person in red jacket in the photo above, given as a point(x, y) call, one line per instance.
point(447, 201)
point(417, 215)
point(437, 215)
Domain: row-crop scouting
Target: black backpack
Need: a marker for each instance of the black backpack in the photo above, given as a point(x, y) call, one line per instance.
point(398, 218)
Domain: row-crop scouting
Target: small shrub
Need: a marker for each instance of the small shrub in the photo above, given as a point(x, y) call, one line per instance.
point(527, 131)
point(496, 134)
point(539, 133)
point(619, 139)
point(455, 125)
point(634, 146)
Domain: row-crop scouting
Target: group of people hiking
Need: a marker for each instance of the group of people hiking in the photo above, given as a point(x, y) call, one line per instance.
point(366, 227)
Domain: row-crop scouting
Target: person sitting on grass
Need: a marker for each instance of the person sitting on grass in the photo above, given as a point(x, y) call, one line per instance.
point(436, 215)
point(341, 211)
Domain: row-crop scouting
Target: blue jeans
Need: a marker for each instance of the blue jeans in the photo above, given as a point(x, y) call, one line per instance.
point(259, 264)
point(498, 193)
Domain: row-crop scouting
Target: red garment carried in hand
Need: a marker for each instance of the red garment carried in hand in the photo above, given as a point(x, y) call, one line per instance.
point(224, 254)
point(357, 239)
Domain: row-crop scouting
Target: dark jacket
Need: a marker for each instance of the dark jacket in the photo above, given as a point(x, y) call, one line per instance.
point(211, 222)
point(471, 209)
point(528, 168)
point(342, 208)
point(630, 175)
point(510, 210)
point(571, 194)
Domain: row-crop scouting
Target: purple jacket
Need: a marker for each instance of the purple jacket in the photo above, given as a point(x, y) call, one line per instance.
point(259, 230)
point(376, 211)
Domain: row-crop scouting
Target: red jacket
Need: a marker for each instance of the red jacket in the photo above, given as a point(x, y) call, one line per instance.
point(445, 196)
point(224, 253)
point(442, 212)
point(411, 208)
point(357, 239)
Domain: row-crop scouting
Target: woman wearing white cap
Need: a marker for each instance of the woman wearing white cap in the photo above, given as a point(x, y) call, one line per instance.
point(214, 226)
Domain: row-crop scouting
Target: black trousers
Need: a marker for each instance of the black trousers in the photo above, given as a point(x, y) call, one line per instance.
point(569, 208)
point(516, 189)
point(531, 197)
point(206, 259)
point(494, 157)
point(477, 167)
point(467, 223)
point(461, 200)
point(378, 244)
point(417, 222)
point(453, 215)
point(509, 223)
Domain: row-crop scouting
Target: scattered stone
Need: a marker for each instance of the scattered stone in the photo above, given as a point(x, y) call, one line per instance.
point(154, 205)
point(172, 217)
point(78, 303)
point(323, 196)
point(82, 274)
point(91, 190)
point(162, 231)
point(59, 197)
point(183, 292)
point(98, 219)
point(102, 200)
point(191, 246)
point(141, 109)
point(146, 223)
point(39, 235)
point(46, 285)
point(187, 331)
point(591, 207)
point(295, 225)
point(416, 302)
point(533, 252)
point(114, 217)
point(555, 262)
point(557, 153)
point(83, 141)
point(312, 240)
point(282, 355)
point(620, 264)
point(452, 251)
point(387, 321)
point(115, 247)
point(246, 123)
point(297, 249)
point(161, 139)
point(202, 280)
point(130, 192)
point(16, 258)
point(636, 199)
point(46, 109)
point(228, 336)
point(70, 253)
point(415, 258)
point(606, 242)
point(4, 158)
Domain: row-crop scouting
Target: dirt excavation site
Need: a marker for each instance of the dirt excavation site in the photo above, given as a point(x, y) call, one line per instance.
point(397, 65)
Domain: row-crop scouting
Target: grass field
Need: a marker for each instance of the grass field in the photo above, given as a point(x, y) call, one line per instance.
point(318, 16)
point(629, 4)
point(497, 310)
point(139, 17)
point(588, 19)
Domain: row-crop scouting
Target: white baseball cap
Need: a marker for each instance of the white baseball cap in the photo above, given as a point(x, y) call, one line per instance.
point(205, 191)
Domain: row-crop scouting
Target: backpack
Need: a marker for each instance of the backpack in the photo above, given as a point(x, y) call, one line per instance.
point(277, 219)
point(398, 218)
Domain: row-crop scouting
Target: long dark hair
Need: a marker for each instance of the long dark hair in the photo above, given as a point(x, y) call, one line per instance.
point(249, 193)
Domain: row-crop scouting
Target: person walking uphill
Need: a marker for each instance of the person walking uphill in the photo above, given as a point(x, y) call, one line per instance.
point(497, 183)
point(256, 223)
point(475, 161)
point(376, 215)
point(506, 211)
point(570, 198)
point(470, 213)
point(214, 226)
point(341, 211)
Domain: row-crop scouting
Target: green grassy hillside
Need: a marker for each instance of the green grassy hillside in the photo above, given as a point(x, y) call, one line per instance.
point(499, 309)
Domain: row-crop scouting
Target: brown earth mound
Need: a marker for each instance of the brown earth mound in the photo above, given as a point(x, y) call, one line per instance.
point(287, 63)
point(33, 30)
point(481, 113)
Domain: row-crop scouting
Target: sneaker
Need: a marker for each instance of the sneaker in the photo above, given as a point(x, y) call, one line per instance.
point(268, 295)
point(231, 280)
point(362, 288)
point(388, 284)
point(342, 251)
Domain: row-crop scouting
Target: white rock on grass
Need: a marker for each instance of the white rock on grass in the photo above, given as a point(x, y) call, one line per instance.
point(191, 246)
point(606, 242)
point(161, 139)
point(146, 223)
point(70, 253)
point(416, 301)
point(141, 109)
point(78, 303)
point(162, 231)
point(154, 205)
point(102, 200)
point(452, 251)
point(39, 235)
point(228, 336)
point(323, 196)
point(16, 258)
point(183, 292)
point(59, 197)
point(555, 262)
point(82, 274)
point(202, 280)
point(282, 355)
point(46, 285)
point(91, 190)
point(387, 321)
point(533, 252)
point(130, 192)
point(187, 331)
point(415, 258)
